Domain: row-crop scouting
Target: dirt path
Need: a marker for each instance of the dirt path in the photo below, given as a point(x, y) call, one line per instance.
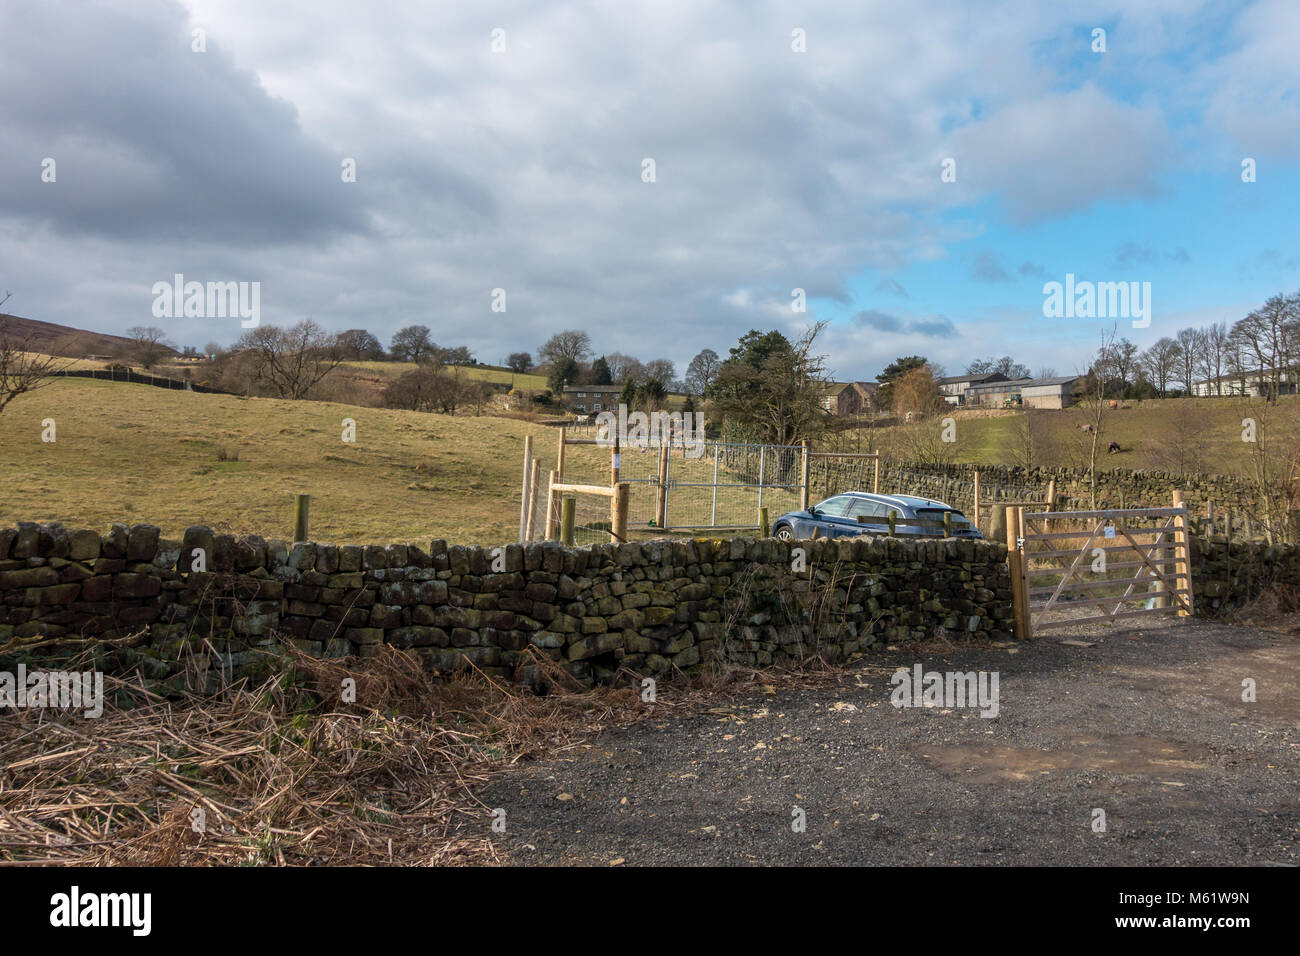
point(1148, 725)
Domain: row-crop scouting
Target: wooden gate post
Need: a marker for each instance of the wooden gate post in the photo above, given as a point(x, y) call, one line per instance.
point(1016, 563)
point(1051, 495)
point(1183, 559)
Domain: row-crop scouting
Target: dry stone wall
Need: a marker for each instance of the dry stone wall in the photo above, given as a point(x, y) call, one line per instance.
point(1119, 488)
point(651, 607)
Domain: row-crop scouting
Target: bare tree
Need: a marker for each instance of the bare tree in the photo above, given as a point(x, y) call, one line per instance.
point(571, 344)
point(623, 368)
point(149, 345)
point(1190, 344)
point(1160, 362)
point(22, 369)
point(290, 361)
point(702, 371)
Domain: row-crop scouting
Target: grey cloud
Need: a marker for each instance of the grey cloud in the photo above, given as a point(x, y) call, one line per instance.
point(987, 268)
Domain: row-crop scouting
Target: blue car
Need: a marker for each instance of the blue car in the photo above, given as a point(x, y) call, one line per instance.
point(858, 512)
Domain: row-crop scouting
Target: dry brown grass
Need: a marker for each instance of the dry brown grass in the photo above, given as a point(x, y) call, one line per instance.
point(287, 773)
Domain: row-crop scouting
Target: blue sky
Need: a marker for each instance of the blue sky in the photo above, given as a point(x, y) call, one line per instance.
point(521, 168)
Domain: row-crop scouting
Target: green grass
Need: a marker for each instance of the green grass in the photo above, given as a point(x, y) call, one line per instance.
point(392, 370)
point(1199, 434)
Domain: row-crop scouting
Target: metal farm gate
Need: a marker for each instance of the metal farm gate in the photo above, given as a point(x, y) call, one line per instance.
point(1114, 564)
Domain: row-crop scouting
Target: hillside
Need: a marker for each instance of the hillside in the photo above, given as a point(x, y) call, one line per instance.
point(62, 340)
point(134, 453)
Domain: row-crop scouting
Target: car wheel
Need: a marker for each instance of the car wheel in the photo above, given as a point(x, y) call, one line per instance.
point(783, 532)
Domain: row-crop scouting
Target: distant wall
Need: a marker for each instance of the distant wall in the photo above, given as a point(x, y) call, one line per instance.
point(1121, 488)
point(651, 606)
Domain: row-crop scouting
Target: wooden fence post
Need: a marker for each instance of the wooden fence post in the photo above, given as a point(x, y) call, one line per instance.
point(551, 515)
point(525, 493)
point(1051, 495)
point(803, 479)
point(618, 514)
point(893, 518)
point(615, 459)
point(559, 455)
point(975, 518)
point(567, 510)
point(531, 523)
point(875, 481)
point(763, 524)
point(947, 524)
point(661, 493)
point(1183, 559)
point(301, 514)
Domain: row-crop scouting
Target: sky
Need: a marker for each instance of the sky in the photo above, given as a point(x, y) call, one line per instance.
point(919, 170)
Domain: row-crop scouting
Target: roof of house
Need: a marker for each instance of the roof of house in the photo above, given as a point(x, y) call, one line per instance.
point(593, 388)
point(1049, 382)
point(973, 379)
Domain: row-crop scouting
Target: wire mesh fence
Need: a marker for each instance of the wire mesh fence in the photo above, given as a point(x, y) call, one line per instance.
point(681, 486)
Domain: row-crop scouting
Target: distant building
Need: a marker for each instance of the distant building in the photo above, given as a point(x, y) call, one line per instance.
point(1030, 392)
point(590, 399)
point(1253, 383)
point(849, 398)
point(995, 392)
point(954, 389)
point(1050, 392)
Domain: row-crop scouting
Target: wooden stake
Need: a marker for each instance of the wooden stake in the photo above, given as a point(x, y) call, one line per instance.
point(661, 492)
point(803, 479)
point(1051, 495)
point(301, 514)
point(559, 456)
point(532, 498)
point(551, 515)
point(525, 493)
point(763, 524)
point(975, 518)
point(875, 482)
point(567, 510)
point(618, 514)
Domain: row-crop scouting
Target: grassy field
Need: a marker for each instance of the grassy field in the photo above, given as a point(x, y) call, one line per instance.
point(392, 370)
point(140, 454)
point(1193, 434)
point(135, 453)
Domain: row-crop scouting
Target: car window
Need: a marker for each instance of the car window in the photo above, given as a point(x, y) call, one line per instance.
point(872, 509)
point(835, 507)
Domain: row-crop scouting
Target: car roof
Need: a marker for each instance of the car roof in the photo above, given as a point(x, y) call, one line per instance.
point(907, 501)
